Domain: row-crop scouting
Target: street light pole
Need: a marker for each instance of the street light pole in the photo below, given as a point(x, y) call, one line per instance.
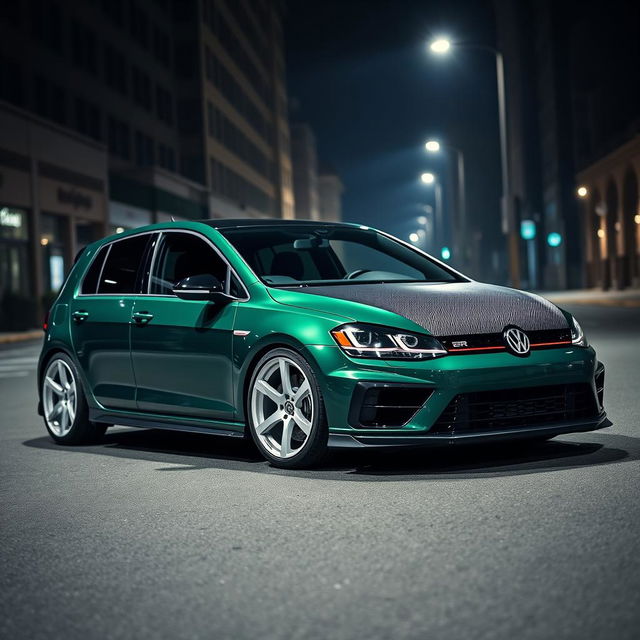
point(508, 214)
point(441, 46)
point(460, 241)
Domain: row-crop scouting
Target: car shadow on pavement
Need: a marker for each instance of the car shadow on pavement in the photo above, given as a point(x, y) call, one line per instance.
point(187, 451)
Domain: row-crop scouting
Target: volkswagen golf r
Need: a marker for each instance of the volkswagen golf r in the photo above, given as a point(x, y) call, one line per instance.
point(305, 335)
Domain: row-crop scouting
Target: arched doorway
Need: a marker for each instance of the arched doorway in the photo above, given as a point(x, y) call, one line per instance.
point(612, 272)
point(630, 210)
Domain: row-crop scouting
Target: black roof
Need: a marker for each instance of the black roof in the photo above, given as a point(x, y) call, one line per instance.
point(228, 223)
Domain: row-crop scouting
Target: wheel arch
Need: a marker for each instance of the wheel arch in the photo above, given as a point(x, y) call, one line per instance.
point(274, 341)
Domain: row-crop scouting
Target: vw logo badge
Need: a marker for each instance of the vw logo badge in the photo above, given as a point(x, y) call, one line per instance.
point(516, 341)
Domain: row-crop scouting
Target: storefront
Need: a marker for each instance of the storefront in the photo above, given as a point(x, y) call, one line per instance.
point(53, 201)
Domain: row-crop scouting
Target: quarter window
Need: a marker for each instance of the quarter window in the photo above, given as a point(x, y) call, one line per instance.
point(90, 282)
point(120, 273)
point(181, 255)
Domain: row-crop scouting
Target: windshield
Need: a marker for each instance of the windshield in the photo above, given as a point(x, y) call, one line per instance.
point(307, 256)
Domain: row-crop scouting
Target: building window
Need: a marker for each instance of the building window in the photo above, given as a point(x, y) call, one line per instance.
point(83, 47)
point(118, 138)
point(114, 10)
point(232, 185)
point(166, 157)
point(115, 69)
point(164, 105)
point(144, 150)
point(141, 88)
point(139, 24)
point(228, 134)
point(222, 79)
point(88, 119)
point(162, 47)
point(11, 87)
point(47, 23)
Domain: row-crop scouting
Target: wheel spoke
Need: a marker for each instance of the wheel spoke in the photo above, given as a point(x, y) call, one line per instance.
point(57, 408)
point(269, 422)
point(71, 410)
point(285, 444)
point(266, 389)
point(303, 391)
point(62, 375)
point(302, 422)
point(64, 420)
point(285, 377)
point(51, 383)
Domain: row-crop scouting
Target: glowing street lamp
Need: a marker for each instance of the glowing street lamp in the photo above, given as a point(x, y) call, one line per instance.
point(428, 178)
point(440, 46)
point(582, 192)
point(414, 237)
point(433, 146)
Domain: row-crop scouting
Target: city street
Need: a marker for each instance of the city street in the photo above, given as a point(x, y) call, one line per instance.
point(164, 535)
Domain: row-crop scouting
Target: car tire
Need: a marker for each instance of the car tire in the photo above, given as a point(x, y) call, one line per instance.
point(64, 404)
point(287, 418)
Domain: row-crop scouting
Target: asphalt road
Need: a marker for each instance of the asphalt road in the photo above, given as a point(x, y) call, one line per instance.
point(160, 535)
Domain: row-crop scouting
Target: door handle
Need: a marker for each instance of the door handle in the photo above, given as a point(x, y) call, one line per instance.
point(142, 317)
point(80, 316)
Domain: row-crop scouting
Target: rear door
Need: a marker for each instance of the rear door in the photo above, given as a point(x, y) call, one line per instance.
point(181, 349)
point(101, 317)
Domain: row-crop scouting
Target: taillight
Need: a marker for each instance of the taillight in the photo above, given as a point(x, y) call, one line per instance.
point(45, 322)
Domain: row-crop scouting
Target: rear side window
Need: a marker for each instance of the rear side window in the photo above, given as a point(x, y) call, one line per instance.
point(120, 272)
point(90, 282)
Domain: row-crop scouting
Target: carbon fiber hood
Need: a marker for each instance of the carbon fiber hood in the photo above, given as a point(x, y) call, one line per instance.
point(460, 308)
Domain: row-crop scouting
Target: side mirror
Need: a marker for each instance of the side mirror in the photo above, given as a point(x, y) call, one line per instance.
point(200, 287)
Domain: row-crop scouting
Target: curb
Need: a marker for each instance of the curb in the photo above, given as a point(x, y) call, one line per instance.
point(21, 336)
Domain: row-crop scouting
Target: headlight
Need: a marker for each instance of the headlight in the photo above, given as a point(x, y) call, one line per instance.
point(371, 341)
point(577, 334)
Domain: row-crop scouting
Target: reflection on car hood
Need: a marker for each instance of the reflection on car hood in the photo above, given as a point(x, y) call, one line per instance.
point(447, 309)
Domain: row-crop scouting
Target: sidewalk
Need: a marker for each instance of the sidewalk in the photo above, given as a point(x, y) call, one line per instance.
point(624, 298)
point(7, 337)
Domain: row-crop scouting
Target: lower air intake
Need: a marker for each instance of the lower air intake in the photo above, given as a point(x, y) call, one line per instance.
point(494, 410)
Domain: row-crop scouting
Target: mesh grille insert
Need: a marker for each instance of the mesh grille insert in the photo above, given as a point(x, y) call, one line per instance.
point(492, 410)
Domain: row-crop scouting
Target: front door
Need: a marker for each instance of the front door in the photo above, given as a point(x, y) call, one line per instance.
point(101, 321)
point(181, 349)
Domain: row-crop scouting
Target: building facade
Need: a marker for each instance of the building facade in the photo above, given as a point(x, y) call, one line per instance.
point(185, 98)
point(330, 189)
point(304, 157)
point(611, 218)
point(53, 201)
point(570, 103)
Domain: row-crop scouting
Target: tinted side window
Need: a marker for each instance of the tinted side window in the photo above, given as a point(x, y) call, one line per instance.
point(120, 271)
point(181, 255)
point(90, 282)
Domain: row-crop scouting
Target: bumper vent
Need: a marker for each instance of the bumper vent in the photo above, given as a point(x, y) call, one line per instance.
point(380, 406)
point(494, 410)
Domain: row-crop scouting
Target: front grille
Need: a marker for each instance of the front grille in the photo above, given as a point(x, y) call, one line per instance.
point(488, 342)
point(493, 410)
point(386, 406)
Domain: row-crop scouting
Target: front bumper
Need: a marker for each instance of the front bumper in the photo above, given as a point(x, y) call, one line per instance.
point(446, 378)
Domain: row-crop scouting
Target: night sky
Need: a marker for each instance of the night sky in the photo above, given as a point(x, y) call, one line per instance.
point(360, 74)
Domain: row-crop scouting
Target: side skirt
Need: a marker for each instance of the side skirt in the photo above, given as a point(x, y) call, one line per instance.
point(171, 423)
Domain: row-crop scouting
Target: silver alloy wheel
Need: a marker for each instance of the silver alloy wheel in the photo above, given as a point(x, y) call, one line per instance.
point(59, 397)
point(282, 407)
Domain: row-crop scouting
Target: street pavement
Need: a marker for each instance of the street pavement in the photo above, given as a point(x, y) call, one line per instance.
point(163, 535)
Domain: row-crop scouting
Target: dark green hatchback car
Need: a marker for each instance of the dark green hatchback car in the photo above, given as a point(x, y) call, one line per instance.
point(305, 335)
